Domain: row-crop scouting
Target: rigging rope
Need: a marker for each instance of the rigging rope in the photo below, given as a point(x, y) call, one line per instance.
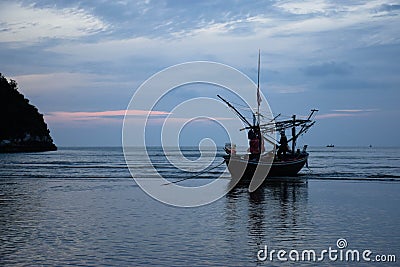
point(194, 176)
point(242, 105)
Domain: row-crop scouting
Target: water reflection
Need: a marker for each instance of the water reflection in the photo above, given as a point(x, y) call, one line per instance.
point(274, 214)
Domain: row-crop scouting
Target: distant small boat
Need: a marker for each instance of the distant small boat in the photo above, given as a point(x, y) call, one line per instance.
point(330, 145)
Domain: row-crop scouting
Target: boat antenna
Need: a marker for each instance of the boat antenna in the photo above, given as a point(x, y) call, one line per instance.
point(258, 90)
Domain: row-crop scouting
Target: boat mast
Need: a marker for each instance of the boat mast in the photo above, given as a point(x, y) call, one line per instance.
point(258, 90)
point(294, 134)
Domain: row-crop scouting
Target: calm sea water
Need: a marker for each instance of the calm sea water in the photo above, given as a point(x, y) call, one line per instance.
point(80, 206)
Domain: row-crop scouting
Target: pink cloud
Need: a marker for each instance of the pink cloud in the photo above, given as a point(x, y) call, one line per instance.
point(354, 110)
point(116, 116)
point(159, 121)
point(333, 115)
point(102, 116)
point(346, 113)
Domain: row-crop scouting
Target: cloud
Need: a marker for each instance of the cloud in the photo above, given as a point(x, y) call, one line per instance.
point(115, 117)
point(328, 68)
point(109, 113)
point(179, 120)
point(56, 81)
point(389, 7)
point(355, 110)
point(345, 113)
point(27, 23)
point(178, 37)
point(99, 116)
point(355, 18)
point(304, 7)
point(333, 115)
point(331, 8)
point(286, 89)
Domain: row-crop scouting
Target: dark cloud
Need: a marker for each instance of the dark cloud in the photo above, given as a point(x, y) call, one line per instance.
point(349, 83)
point(389, 8)
point(328, 68)
point(20, 60)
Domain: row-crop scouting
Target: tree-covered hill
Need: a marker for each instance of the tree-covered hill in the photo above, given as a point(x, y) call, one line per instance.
point(22, 127)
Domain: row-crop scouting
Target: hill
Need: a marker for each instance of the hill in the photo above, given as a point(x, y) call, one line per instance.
point(22, 127)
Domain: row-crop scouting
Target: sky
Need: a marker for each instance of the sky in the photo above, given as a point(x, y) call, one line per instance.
point(80, 62)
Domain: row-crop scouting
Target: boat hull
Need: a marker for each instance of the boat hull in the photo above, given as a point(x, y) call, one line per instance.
point(243, 168)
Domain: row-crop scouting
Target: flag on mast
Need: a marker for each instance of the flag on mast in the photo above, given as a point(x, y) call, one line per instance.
point(259, 99)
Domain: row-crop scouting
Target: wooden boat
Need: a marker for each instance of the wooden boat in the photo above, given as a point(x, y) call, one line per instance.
point(279, 163)
point(288, 167)
point(271, 165)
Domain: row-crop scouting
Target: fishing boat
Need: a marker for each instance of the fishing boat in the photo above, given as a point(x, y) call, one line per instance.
point(280, 162)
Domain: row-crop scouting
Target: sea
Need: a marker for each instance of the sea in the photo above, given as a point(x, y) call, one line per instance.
point(81, 207)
